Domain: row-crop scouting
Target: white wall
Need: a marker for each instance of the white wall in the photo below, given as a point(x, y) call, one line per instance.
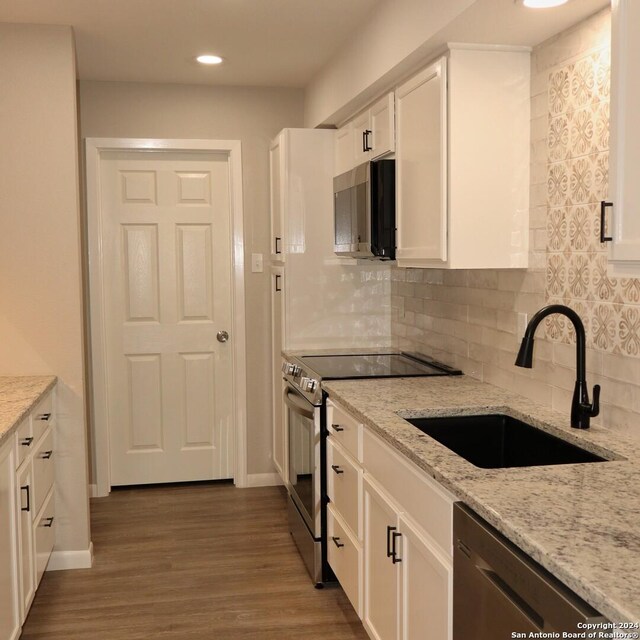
point(252, 115)
point(41, 329)
point(394, 35)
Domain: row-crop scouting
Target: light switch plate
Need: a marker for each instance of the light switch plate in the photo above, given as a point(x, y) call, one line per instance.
point(257, 264)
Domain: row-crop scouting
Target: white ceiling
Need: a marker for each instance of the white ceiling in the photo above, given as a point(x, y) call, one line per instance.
point(264, 42)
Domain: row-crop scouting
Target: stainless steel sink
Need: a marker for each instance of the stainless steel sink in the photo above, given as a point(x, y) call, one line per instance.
point(500, 441)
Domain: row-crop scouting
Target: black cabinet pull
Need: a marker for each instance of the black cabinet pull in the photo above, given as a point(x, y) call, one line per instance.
point(27, 441)
point(603, 209)
point(46, 454)
point(394, 552)
point(337, 542)
point(389, 530)
point(277, 247)
point(28, 507)
point(44, 416)
point(337, 427)
point(337, 469)
point(278, 288)
point(365, 140)
point(49, 522)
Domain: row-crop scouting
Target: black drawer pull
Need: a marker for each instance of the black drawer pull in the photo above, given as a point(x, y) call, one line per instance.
point(26, 442)
point(603, 209)
point(277, 247)
point(49, 522)
point(45, 417)
point(394, 552)
point(389, 530)
point(337, 542)
point(28, 507)
point(278, 287)
point(337, 427)
point(46, 454)
point(337, 469)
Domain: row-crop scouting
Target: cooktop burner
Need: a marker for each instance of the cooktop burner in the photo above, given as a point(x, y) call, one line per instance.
point(375, 365)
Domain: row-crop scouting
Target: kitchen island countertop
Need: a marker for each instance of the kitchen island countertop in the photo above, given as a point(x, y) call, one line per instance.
point(18, 395)
point(581, 521)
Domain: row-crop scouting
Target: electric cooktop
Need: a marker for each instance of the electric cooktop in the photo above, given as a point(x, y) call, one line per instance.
point(375, 365)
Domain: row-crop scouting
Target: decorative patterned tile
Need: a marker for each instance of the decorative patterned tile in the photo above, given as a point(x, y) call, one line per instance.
point(604, 287)
point(583, 82)
point(556, 276)
point(601, 176)
point(582, 132)
point(558, 184)
point(602, 66)
point(557, 229)
point(558, 139)
point(581, 180)
point(579, 276)
point(629, 331)
point(629, 289)
point(601, 125)
point(580, 228)
point(559, 91)
point(556, 325)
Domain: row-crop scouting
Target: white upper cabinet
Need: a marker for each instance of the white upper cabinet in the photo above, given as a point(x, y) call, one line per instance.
point(622, 212)
point(462, 161)
point(277, 206)
point(368, 136)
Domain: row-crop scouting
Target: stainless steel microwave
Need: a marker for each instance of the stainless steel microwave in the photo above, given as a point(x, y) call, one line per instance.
point(365, 211)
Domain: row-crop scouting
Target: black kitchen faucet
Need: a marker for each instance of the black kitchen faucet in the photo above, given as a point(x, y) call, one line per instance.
point(581, 410)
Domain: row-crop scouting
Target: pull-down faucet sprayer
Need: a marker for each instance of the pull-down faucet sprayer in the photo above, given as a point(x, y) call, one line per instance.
point(581, 410)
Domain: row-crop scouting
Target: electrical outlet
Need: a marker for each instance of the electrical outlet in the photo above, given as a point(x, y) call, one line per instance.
point(523, 320)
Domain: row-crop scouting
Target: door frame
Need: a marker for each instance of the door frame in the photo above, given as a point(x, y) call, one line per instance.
point(94, 148)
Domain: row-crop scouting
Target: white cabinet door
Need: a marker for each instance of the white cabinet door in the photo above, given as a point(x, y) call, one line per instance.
point(277, 341)
point(381, 588)
point(426, 589)
point(277, 205)
point(623, 220)
point(421, 168)
point(383, 134)
point(344, 151)
point(361, 138)
point(9, 582)
point(26, 555)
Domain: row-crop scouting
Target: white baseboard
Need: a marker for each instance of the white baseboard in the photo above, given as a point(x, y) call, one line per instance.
point(61, 560)
point(263, 480)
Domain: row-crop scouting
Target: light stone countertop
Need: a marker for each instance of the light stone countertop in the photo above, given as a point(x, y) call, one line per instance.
point(18, 395)
point(579, 521)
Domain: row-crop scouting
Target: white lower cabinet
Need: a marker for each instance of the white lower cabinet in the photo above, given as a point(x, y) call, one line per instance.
point(381, 583)
point(26, 551)
point(400, 532)
point(9, 580)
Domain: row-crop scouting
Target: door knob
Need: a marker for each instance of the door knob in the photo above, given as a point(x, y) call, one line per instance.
point(222, 336)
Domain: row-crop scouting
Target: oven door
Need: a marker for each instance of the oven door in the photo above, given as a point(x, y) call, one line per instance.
point(303, 420)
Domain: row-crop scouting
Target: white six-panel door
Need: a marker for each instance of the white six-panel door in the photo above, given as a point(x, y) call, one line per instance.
point(167, 282)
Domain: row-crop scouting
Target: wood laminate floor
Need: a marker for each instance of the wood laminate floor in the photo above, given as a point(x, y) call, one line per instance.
point(205, 561)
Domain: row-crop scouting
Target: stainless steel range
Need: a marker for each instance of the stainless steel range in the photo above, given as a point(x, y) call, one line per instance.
point(305, 408)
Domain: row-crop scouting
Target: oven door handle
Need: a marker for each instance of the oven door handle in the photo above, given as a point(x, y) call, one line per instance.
point(293, 401)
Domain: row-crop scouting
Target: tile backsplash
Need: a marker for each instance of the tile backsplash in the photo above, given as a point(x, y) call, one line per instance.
point(471, 318)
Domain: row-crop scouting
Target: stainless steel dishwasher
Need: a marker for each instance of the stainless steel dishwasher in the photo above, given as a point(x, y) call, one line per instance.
point(498, 590)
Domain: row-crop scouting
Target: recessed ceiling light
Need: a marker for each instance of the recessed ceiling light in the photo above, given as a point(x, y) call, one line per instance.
point(209, 59)
point(542, 4)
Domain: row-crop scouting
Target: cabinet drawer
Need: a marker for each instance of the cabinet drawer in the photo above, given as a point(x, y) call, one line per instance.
point(346, 429)
point(24, 440)
point(42, 416)
point(421, 497)
point(344, 482)
point(43, 470)
point(346, 561)
point(45, 535)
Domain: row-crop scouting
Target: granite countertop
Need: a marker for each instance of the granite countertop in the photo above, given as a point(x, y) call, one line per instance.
point(580, 521)
point(18, 395)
